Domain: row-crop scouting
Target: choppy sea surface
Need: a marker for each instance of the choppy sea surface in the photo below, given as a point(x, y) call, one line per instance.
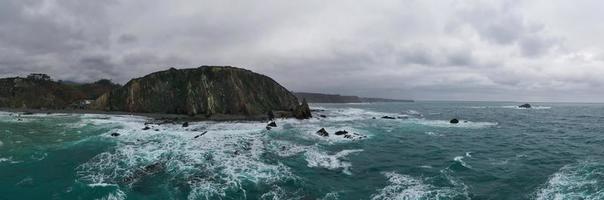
point(497, 151)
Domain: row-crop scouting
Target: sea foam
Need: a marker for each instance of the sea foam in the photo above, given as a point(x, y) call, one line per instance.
point(317, 158)
point(228, 156)
point(580, 180)
point(407, 187)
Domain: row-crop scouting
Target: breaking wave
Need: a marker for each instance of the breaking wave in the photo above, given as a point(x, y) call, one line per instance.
point(581, 180)
point(407, 187)
point(317, 158)
point(226, 158)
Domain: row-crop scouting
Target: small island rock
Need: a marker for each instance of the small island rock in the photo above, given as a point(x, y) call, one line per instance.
point(526, 105)
point(323, 132)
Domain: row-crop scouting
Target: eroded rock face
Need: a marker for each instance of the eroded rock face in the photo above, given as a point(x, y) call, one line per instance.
point(206, 90)
point(38, 91)
point(302, 111)
point(38, 94)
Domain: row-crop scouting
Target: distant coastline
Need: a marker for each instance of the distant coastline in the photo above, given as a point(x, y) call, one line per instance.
point(336, 98)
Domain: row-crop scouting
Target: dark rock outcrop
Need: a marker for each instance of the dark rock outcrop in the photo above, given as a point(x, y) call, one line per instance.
point(197, 136)
point(526, 105)
point(38, 91)
point(388, 117)
point(454, 121)
point(186, 124)
point(207, 90)
point(302, 111)
point(322, 132)
point(341, 132)
point(272, 124)
point(35, 93)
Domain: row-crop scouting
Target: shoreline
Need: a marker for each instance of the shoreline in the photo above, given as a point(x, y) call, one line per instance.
point(153, 116)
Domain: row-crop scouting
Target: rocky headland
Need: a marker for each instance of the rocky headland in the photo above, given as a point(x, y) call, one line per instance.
point(203, 93)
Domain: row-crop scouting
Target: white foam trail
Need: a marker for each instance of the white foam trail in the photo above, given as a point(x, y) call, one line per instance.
point(331, 196)
point(407, 187)
point(512, 107)
point(447, 124)
point(433, 133)
point(9, 160)
point(102, 185)
point(277, 193)
point(117, 195)
point(226, 157)
point(317, 158)
point(352, 114)
point(581, 180)
point(1, 144)
point(460, 160)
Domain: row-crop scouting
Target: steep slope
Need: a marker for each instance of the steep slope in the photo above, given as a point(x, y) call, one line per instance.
point(206, 90)
point(36, 93)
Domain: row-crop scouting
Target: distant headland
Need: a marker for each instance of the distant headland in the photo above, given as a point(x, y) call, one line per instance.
point(336, 98)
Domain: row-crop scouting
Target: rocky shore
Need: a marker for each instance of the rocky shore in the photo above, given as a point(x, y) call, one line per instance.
point(220, 93)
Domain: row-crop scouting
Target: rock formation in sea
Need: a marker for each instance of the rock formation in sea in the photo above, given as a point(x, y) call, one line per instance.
point(526, 105)
point(205, 91)
point(39, 91)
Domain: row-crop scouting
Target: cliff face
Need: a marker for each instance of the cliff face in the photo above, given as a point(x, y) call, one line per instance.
point(37, 94)
point(206, 90)
point(37, 91)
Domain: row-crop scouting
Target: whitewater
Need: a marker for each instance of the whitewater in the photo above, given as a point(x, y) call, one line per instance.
point(497, 151)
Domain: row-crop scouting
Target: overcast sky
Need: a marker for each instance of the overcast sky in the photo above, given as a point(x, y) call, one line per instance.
point(539, 50)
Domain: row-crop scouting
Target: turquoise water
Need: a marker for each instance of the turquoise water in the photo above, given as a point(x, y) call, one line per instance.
point(497, 152)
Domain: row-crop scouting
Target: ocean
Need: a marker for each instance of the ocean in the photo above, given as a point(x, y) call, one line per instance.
point(497, 151)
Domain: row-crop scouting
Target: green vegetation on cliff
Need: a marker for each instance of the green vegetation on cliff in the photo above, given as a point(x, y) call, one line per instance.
point(206, 90)
point(38, 91)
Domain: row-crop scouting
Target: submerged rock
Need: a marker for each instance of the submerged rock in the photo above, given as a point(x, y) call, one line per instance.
point(323, 116)
point(354, 136)
point(146, 128)
point(272, 124)
point(115, 134)
point(322, 132)
point(388, 117)
point(145, 171)
point(186, 124)
point(526, 105)
point(341, 132)
point(200, 134)
point(454, 121)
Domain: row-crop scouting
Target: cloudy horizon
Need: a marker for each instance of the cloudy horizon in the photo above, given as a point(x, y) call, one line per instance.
point(502, 50)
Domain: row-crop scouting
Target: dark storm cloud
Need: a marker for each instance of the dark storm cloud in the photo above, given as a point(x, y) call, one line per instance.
point(407, 49)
